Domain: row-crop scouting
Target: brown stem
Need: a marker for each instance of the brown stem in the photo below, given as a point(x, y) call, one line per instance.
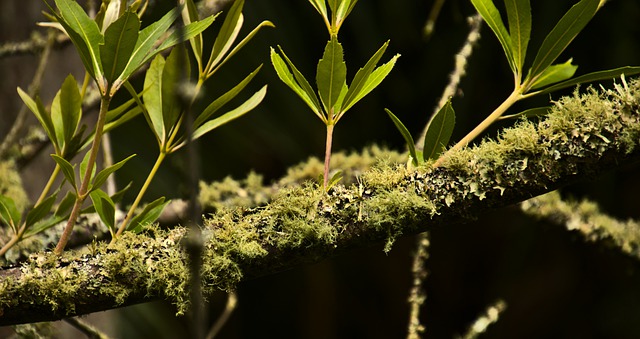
point(327, 154)
point(84, 188)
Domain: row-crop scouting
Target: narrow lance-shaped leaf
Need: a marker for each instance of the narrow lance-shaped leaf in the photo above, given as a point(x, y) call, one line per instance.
point(519, 18)
point(373, 81)
point(153, 98)
point(65, 112)
point(102, 176)
point(175, 64)
point(149, 214)
point(591, 77)
point(239, 111)
point(362, 76)
point(9, 213)
point(554, 74)
point(491, 16)
point(119, 42)
point(67, 170)
point(105, 207)
point(330, 75)
point(227, 35)
point(406, 135)
point(41, 210)
point(187, 32)
point(87, 29)
point(42, 115)
point(562, 34)
point(223, 99)
point(189, 15)
point(296, 82)
point(65, 204)
point(439, 132)
point(530, 113)
point(320, 6)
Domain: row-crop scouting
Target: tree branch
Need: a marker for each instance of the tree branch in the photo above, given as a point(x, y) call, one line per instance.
point(583, 136)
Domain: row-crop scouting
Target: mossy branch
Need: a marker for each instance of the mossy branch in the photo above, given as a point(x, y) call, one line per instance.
point(583, 136)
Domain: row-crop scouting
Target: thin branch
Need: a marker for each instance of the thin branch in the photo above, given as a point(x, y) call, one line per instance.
point(232, 302)
point(582, 136)
point(490, 317)
point(418, 295)
point(32, 46)
point(86, 328)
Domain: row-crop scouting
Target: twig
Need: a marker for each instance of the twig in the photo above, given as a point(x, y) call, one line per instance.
point(32, 46)
point(418, 295)
point(86, 328)
point(232, 302)
point(490, 317)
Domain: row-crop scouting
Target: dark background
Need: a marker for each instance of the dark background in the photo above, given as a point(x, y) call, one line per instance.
point(555, 285)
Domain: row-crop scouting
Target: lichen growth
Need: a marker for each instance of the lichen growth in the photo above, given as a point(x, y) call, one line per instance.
point(11, 184)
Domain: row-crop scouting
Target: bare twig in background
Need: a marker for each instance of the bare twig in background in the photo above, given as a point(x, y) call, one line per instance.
point(430, 25)
point(232, 302)
point(32, 46)
point(418, 294)
point(86, 328)
point(490, 317)
point(459, 71)
point(18, 125)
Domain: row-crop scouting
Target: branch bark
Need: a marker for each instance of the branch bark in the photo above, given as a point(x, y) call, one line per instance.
point(583, 136)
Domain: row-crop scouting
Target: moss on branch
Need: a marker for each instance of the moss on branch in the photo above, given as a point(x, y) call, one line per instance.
point(582, 136)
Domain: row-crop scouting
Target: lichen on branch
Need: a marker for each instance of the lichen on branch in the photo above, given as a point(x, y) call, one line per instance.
point(582, 136)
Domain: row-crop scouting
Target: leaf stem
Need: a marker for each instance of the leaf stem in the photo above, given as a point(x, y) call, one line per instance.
point(493, 117)
point(327, 154)
point(47, 187)
point(144, 188)
point(84, 187)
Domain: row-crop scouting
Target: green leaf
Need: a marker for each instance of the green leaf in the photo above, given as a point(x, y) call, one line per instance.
point(343, 11)
point(223, 99)
point(149, 214)
point(67, 170)
point(554, 74)
point(227, 35)
point(562, 34)
point(153, 98)
point(42, 115)
point(530, 113)
point(65, 204)
point(335, 178)
point(491, 16)
point(519, 18)
point(147, 39)
point(362, 76)
point(439, 132)
point(296, 81)
point(374, 80)
point(330, 75)
point(591, 77)
point(189, 15)
point(239, 111)
point(175, 64)
point(74, 18)
point(9, 213)
point(105, 207)
point(42, 225)
point(38, 212)
point(320, 6)
point(189, 31)
point(130, 114)
point(102, 176)
point(119, 42)
point(83, 168)
point(117, 197)
point(66, 112)
point(406, 135)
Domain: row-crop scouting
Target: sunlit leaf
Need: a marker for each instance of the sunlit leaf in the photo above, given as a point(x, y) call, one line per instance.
point(320, 6)
point(41, 210)
point(149, 215)
point(189, 15)
point(187, 32)
point(591, 77)
point(153, 98)
point(562, 34)
point(519, 18)
point(362, 76)
point(241, 44)
point(223, 99)
point(492, 17)
point(119, 42)
point(554, 74)
point(227, 35)
point(42, 115)
point(439, 132)
point(172, 71)
point(330, 75)
point(296, 81)
point(406, 135)
point(102, 176)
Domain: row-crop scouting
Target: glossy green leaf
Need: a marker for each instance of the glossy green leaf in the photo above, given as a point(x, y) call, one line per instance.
point(41, 210)
point(374, 80)
point(102, 176)
point(67, 170)
point(87, 30)
point(119, 42)
point(362, 76)
point(9, 213)
point(562, 34)
point(65, 205)
point(175, 66)
point(343, 11)
point(42, 115)
point(337, 108)
point(492, 17)
point(223, 99)
point(439, 132)
point(519, 18)
point(320, 6)
point(66, 111)
point(189, 31)
point(153, 98)
point(239, 111)
point(227, 35)
point(147, 39)
point(406, 135)
point(331, 74)
point(130, 114)
point(591, 77)
point(105, 207)
point(149, 215)
point(241, 44)
point(554, 74)
point(290, 75)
